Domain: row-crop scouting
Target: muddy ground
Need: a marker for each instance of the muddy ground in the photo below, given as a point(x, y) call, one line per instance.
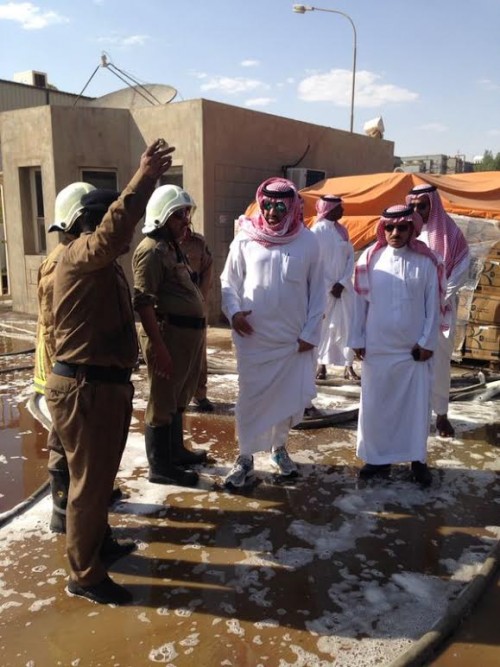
point(321, 571)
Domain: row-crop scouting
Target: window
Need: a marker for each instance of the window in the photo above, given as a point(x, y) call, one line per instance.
point(174, 176)
point(32, 210)
point(4, 277)
point(41, 239)
point(100, 179)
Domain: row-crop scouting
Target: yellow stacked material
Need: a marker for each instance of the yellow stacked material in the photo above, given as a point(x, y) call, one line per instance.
point(482, 342)
point(482, 334)
point(494, 253)
point(485, 308)
point(489, 279)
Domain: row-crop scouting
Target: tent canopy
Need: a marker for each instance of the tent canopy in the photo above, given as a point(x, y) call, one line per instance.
point(474, 194)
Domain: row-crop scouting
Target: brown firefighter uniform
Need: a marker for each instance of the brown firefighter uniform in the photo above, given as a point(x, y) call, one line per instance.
point(45, 344)
point(44, 361)
point(200, 260)
point(44, 352)
point(163, 279)
point(89, 393)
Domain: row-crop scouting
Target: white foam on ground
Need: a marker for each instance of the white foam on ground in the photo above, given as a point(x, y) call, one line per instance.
point(374, 606)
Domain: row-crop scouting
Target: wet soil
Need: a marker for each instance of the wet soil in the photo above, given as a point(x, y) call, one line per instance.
point(319, 571)
point(476, 643)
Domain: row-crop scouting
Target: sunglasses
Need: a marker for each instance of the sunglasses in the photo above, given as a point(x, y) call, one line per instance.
point(402, 227)
point(421, 207)
point(181, 213)
point(277, 205)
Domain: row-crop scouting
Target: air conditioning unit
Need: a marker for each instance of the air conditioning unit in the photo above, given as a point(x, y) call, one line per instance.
point(303, 178)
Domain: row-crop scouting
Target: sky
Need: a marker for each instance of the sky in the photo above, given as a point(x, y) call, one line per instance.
point(430, 69)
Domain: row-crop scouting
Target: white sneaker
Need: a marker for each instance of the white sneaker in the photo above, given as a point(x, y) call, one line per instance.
point(282, 461)
point(241, 472)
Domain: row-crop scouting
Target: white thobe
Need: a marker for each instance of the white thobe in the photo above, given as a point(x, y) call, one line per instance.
point(282, 286)
point(337, 256)
point(403, 309)
point(444, 350)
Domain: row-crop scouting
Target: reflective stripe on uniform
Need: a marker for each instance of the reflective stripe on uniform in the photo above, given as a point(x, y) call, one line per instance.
point(40, 379)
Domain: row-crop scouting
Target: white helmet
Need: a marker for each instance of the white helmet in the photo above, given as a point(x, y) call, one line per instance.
point(164, 201)
point(68, 206)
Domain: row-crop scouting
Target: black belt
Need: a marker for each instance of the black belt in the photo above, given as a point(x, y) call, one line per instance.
point(186, 322)
point(111, 374)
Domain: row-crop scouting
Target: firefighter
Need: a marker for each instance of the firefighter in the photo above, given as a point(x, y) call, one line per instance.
point(172, 312)
point(200, 260)
point(68, 210)
point(89, 393)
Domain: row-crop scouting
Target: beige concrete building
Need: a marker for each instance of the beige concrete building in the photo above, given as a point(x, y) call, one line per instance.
point(222, 154)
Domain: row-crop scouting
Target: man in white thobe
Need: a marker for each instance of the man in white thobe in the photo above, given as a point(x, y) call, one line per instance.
point(272, 293)
point(394, 331)
point(443, 236)
point(337, 255)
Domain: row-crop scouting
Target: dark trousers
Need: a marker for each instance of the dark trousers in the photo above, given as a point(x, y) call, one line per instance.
point(201, 389)
point(57, 455)
point(91, 420)
point(170, 395)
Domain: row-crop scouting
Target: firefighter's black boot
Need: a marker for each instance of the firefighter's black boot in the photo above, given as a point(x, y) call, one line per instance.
point(159, 452)
point(181, 455)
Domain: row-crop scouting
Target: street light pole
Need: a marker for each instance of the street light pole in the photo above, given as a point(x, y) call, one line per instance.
point(302, 9)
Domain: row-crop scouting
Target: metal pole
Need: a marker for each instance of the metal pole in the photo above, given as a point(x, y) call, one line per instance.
point(301, 9)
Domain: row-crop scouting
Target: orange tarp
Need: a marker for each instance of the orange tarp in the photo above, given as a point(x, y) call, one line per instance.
point(475, 194)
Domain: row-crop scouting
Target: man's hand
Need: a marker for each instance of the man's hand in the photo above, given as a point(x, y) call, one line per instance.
point(359, 352)
point(162, 361)
point(337, 290)
point(421, 354)
point(156, 159)
point(240, 323)
point(304, 346)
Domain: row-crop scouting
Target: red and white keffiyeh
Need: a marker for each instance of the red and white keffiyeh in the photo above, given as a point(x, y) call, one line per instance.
point(277, 190)
point(445, 237)
point(395, 215)
point(324, 205)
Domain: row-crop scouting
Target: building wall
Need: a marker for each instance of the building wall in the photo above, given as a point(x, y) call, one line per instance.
point(21, 96)
point(435, 164)
point(224, 152)
point(26, 143)
point(61, 141)
point(244, 147)
point(181, 126)
point(92, 139)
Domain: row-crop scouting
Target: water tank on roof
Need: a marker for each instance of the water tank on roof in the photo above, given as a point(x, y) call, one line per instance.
point(31, 78)
point(374, 128)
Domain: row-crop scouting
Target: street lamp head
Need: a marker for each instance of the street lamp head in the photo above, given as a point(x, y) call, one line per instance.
point(301, 9)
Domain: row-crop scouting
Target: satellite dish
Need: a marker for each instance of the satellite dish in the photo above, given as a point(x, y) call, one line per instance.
point(136, 97)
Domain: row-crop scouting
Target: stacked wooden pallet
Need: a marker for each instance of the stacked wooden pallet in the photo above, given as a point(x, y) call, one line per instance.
point(482, 336)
